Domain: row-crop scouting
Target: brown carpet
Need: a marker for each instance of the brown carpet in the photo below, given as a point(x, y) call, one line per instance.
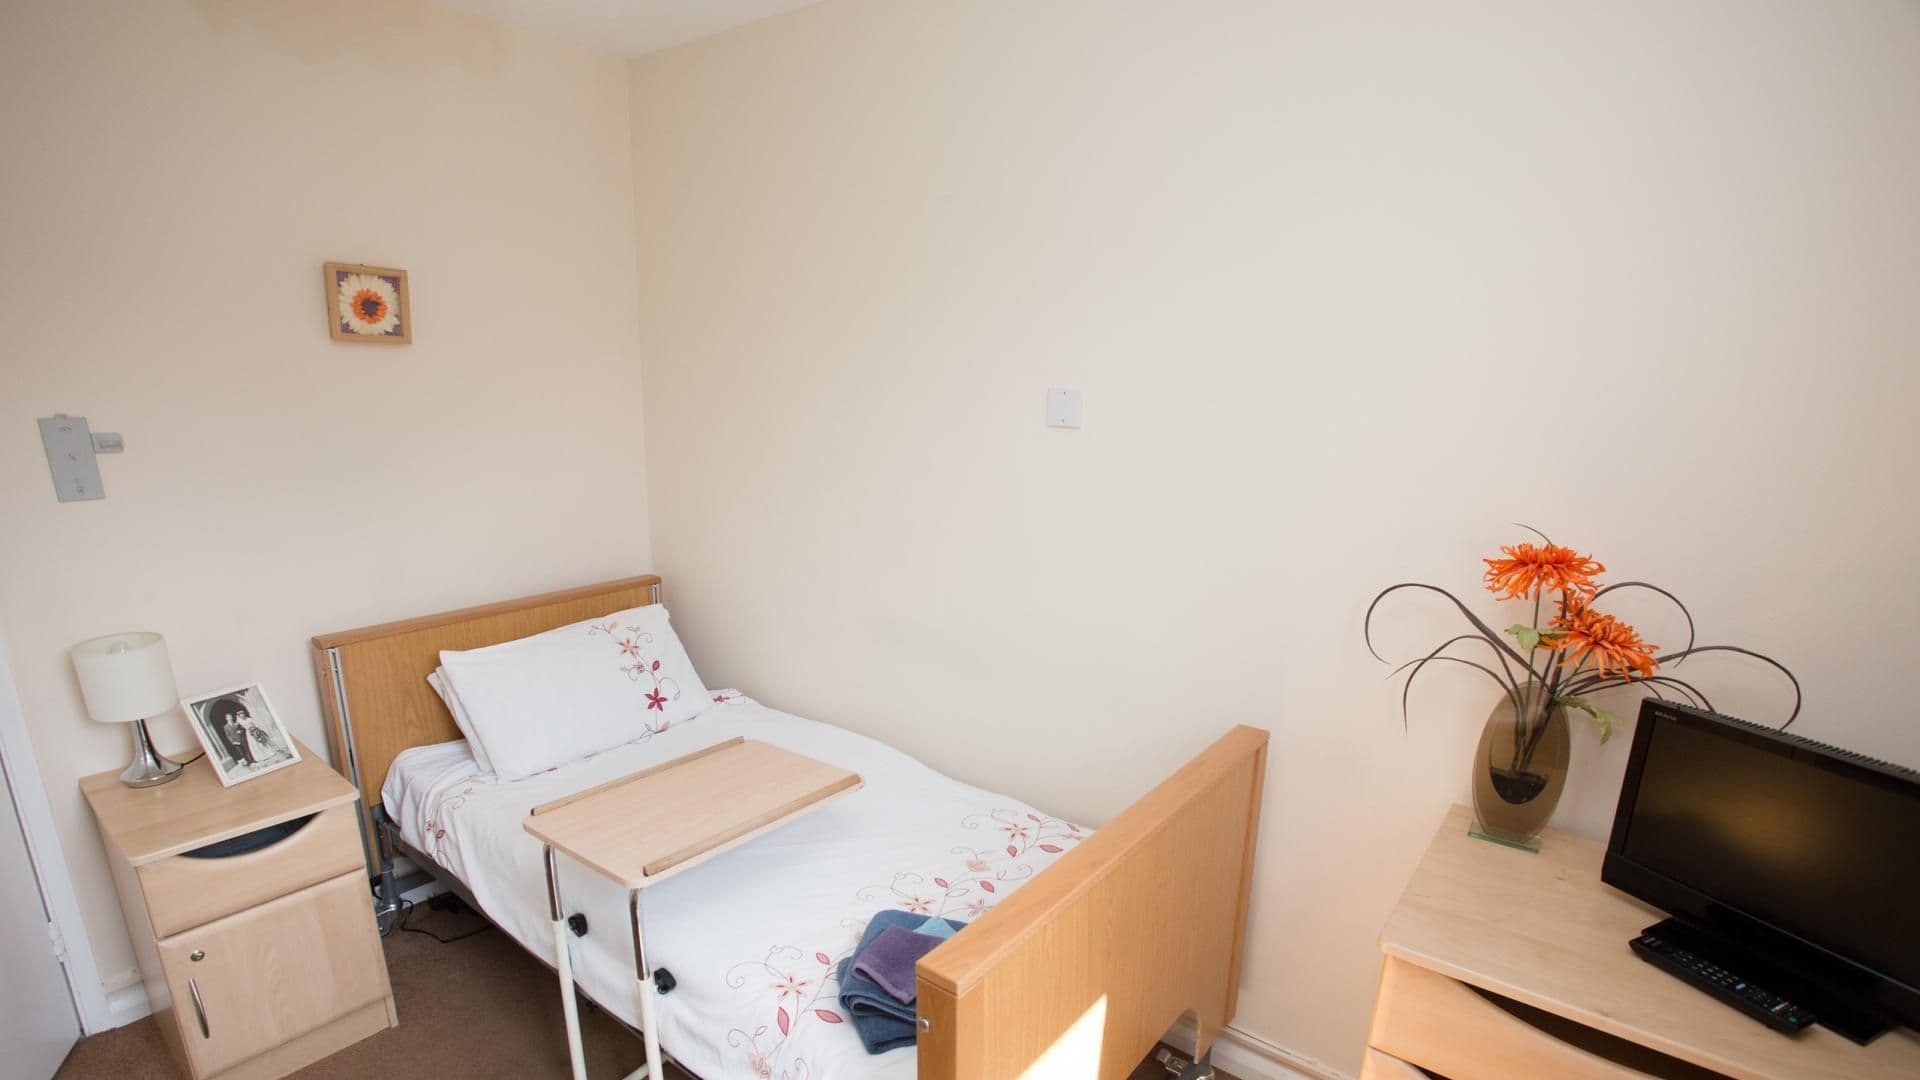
point(475, 1008)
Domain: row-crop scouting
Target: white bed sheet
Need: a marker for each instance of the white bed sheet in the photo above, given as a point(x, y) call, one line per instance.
point(752, 936)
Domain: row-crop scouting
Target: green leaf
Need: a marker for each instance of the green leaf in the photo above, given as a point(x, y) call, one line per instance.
point(1602, 717)
point(1526, 635)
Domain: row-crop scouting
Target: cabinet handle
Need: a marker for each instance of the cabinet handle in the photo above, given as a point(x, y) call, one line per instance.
point(199, 1008)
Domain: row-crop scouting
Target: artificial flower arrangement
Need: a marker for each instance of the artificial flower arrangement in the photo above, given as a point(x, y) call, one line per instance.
point(1548, 669)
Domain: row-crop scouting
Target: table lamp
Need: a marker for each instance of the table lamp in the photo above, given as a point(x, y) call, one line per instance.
point(126, 678)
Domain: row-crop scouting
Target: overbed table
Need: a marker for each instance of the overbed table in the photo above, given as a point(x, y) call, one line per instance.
point(641, 829)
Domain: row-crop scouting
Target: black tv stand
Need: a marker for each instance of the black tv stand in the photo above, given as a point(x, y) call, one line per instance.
point(1812, 982)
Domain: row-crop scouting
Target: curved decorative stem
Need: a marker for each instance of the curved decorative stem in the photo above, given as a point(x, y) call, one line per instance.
point(1435, 655)
point(1594, 683)
point(1418, 665)
point(1662, 592)
point(1485, 630)
point(1763, 658)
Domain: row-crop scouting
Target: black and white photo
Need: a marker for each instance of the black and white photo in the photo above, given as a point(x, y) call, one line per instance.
point(242, 735)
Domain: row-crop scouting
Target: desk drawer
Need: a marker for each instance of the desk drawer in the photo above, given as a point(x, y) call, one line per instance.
point(1427, 1019)
point(1387, 1067)
point(183, 891)
point(1379, 1066)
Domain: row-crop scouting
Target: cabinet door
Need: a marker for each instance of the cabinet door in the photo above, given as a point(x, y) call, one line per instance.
point(251, 981)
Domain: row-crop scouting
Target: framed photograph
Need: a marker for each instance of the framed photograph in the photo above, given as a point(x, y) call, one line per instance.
point(243, 736)
point(368, 303)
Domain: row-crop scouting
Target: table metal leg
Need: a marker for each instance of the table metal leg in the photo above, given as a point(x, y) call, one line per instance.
point(649, 1026)
point(563, 962)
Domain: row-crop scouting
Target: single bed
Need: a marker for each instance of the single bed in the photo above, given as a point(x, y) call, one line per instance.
point(1087, 945)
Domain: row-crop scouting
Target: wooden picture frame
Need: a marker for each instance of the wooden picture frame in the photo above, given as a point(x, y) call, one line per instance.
point(367, 304)
point(242, 735)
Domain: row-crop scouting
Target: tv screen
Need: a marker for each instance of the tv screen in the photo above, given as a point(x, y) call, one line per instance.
point(1729, 825)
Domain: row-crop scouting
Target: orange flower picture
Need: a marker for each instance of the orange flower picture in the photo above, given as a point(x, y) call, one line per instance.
point(367, 303)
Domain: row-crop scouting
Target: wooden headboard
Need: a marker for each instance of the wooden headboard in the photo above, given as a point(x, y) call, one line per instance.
point(373, 681)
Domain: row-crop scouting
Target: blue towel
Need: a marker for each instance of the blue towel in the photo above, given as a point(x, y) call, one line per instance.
point(882, 1022)
point(938, 927)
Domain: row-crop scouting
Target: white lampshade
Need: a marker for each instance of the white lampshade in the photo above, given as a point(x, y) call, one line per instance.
point(125, 677)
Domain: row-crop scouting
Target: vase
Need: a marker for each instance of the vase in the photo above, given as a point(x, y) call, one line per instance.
point(1520, 768)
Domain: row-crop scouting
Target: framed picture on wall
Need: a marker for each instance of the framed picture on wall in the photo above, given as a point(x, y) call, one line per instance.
point(368, 303)
point(242, 735)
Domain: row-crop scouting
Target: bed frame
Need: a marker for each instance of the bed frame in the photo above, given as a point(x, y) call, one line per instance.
point(1077, 974)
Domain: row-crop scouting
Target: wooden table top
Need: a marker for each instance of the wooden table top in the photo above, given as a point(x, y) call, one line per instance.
point(1544, 930)
point(641, 828)
point(193, 809)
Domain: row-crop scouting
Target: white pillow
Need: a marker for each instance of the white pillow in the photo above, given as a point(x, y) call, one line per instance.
point(438, 680)
point(557, 697)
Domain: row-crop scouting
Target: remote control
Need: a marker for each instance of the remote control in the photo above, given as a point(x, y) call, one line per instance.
point(1758, 1002)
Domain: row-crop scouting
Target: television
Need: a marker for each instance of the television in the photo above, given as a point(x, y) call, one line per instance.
point(1793, 863)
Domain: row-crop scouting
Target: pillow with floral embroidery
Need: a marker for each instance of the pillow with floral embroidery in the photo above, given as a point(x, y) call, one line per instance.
point(557, 697)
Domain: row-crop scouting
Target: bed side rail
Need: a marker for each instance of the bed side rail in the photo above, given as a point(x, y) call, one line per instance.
point(1083, 969)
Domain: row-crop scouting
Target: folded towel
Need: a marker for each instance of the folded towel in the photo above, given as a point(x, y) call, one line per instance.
point(882, 1021)
point(889, 960)
point(939, 928)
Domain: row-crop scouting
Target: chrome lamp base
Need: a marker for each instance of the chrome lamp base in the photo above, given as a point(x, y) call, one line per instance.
point(149, 768)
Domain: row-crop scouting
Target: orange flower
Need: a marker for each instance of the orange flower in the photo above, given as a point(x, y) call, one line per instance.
point(1527, 570)
point(1614, 646)
point(368, 307)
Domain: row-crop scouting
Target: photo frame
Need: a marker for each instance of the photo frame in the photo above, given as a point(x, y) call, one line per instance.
point(368, 304)
point(243, 736)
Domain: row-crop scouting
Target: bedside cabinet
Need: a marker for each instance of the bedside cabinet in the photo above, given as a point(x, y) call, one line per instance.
point(250, 914)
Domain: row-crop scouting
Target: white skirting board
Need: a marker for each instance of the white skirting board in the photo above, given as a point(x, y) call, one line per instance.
point(1250, 1057)
point(126, 998)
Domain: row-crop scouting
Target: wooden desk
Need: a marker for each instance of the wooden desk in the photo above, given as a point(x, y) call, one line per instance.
point(641, 829)
point(1542, 932)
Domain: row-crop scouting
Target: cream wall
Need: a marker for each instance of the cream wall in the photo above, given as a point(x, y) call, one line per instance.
point(173, 176)
point(1348, 288)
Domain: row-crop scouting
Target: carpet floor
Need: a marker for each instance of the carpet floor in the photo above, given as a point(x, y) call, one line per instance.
point(477, 1008)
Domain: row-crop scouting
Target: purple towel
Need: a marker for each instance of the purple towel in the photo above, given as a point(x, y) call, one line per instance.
point(889, 960)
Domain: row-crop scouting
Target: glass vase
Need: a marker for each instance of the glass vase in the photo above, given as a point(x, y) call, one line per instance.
point(1520, 768)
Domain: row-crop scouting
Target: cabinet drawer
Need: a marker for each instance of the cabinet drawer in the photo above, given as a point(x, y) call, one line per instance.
point(1379, 1066)
point(244, 984)
point(184, 891)
point(1427, 1019)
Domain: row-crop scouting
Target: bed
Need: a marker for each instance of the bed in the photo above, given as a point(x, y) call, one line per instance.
point(1084, 947)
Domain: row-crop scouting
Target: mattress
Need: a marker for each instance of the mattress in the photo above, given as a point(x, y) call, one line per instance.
point(752, 936)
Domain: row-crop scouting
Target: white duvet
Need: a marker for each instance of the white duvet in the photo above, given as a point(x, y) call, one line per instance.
point(752, 936)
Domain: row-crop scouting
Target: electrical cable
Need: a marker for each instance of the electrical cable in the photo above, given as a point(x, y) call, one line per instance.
point(406, 909)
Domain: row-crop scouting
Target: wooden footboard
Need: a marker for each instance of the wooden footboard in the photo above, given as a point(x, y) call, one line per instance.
point(1080, 972)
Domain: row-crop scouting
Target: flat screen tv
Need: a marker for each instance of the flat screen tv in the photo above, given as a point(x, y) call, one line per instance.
point(1796, 862)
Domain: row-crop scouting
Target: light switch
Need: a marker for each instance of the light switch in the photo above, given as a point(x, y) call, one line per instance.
point(1063, 408)
point(76, 475)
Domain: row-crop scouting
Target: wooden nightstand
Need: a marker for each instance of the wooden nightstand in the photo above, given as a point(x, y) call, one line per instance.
point(250, 913)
